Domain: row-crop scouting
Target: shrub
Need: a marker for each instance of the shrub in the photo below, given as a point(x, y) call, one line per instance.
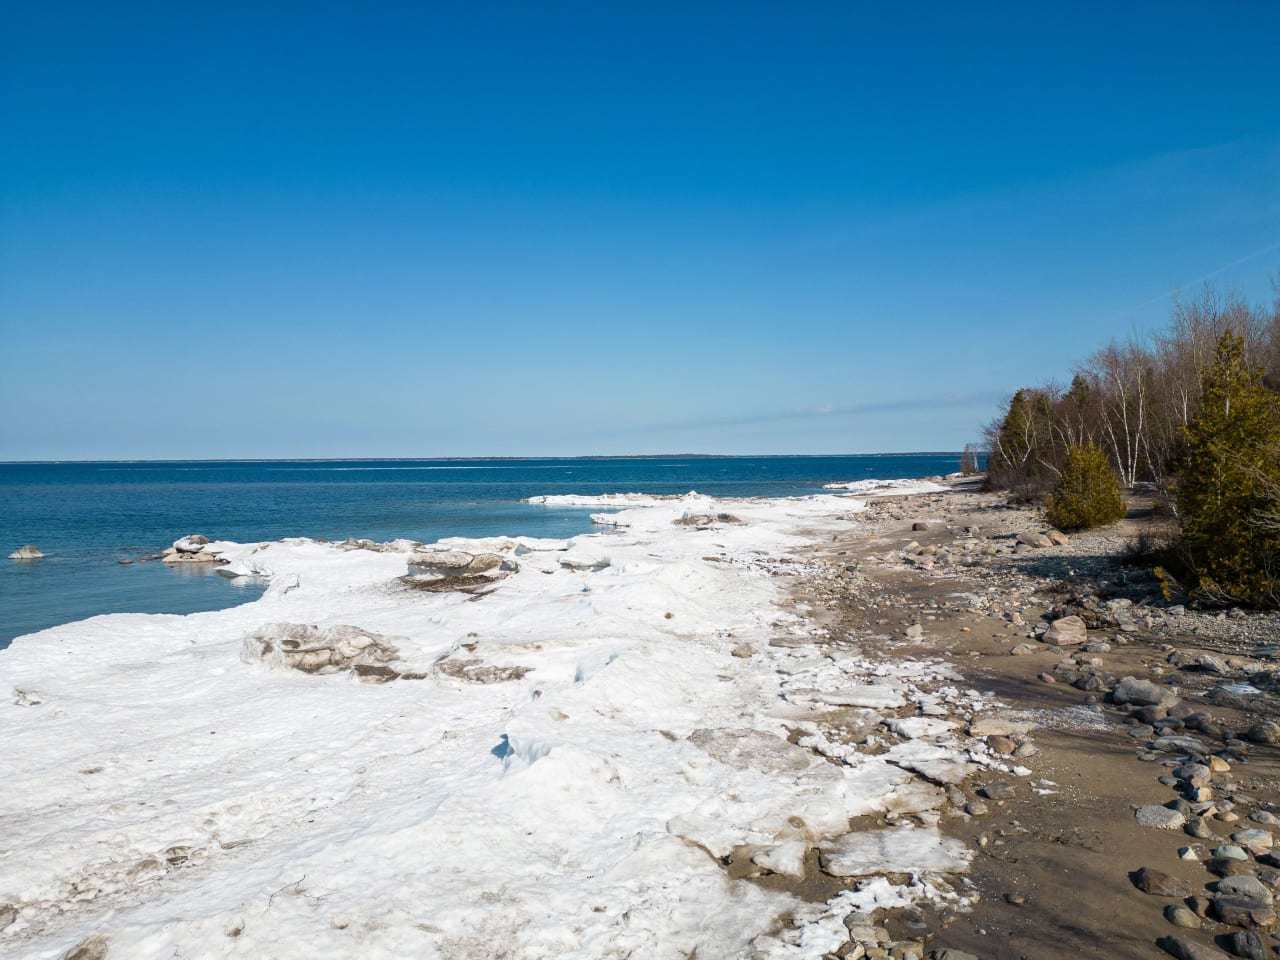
point(1087, 494)
point(1228, 484)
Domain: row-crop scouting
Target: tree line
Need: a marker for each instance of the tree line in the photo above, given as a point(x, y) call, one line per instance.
point(1192, 414)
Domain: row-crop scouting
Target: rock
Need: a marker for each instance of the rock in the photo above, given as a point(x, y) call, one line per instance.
point(1229, 851)
point(946, 953)
point(1265, 731)
point(1058, 538)
point(1065, 632)
point(1185, 949)
point(1228, 867)
point(180, 557)
point(1251, 888)
point(1254, 838)
point(1243, 912)
point(93, 947)
point(1142, 693)
point(1161, 818)
point(453, 563)
point(920, 525)
point(29, 552)
point(310, 649)
point(8, 914)
point(999, 790)
point(1246, 943)
point(584, 562)
point(998, 727)
point(1022, 649)
point(1159, 884)
point(1211, 664)
point(1031, 539)
point(191, 543)
point(1001, 745)
point(914, 631)
point(1181, 916)
point(744, 651)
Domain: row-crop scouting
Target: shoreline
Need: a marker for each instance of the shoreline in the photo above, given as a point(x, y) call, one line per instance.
point(726, 737)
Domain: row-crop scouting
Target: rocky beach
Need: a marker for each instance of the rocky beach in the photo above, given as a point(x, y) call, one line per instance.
point(895, 721)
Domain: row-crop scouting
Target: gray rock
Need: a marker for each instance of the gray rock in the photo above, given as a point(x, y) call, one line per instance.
point(1023, 649)
point(1243, 885)
point(1243, 912)
point(1246, 943)
point(1185, 949)
point(1032, 539)
point(1229, 851)
point(1254, 838)
point(29, 552)
point(453, 563)
point(1161, 818)
point(1142, 693)
point(8, 914)
point(191, 543)
point(1000, 790)
point(946, 953)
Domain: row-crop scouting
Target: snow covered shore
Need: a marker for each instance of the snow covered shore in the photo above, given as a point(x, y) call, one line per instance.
point(553, 767)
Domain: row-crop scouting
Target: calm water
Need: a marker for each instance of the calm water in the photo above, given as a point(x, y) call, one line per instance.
point(87, 516)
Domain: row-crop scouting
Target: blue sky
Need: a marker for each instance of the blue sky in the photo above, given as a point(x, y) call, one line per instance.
point(273, 230)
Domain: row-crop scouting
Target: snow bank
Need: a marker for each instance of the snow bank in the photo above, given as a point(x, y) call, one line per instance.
point(553, 772)
point(886, 488)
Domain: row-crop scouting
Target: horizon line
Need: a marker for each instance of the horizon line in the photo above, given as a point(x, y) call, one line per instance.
point(585, 456)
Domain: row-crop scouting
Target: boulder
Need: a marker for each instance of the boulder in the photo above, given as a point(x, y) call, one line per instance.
point(453, 563)
point(1142, 693)
point(1162, 818)
point(1184, 949)
point(1065, 632)
point(191, 543)
point(1032, 539)
point(29, 552)
point(1265, 731)
point(1159, 884)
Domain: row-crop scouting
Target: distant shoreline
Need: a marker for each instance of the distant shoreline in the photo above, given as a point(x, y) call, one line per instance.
point(585, 457)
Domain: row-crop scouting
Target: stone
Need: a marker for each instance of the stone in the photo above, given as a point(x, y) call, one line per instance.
point(1001, 745)
point(920, 525)
point(1066, 632)
point(1159, 884)
point(1022, 649)
point(1246, 943)
point(1243, 912)
point(1184, 949)
point(1254, 838)
point(333, 649)
point(1211, 664)
point(1058, 538)
point(1265, 731)
point(191, 543)
point(1228, 866)
point(744, 651)
point(1229, 851)
point(998, 727)
point(1032, 539)
point(93, 947)
point(28, 552)
point(1142, 693)
point(1243, 885)
point(1181, 916)
point(1161, 818)
point(453, 563)
point(999, 790)
point(947, 953)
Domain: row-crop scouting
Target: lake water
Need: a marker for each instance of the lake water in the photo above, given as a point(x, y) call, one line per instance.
point(86, 517)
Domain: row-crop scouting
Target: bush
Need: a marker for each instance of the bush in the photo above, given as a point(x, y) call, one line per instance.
point(1087, 494)
point(1228, 485)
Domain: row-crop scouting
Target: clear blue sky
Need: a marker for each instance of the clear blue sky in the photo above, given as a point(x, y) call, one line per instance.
point(385, 229)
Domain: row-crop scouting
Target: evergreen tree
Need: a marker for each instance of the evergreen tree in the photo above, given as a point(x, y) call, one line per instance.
point(1228, 475)
point(1088, 492)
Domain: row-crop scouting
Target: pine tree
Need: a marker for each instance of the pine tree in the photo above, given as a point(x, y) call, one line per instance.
point(1088, 492)
point(1228, 474)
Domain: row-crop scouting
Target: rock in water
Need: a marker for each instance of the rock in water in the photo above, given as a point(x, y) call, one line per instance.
point(29, 552)
point(191, 543)
point(1066, 632)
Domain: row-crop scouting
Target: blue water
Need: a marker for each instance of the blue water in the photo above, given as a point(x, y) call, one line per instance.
point(88, 516)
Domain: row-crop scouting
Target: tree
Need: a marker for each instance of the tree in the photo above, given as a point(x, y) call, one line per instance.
point(1227, 480)
point(1088, 492)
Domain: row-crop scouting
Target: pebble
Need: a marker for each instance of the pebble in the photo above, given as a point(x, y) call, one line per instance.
point(999, 790)
point(1181, 916)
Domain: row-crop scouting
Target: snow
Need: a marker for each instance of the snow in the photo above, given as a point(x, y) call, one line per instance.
point(551, 771)
point(886, 488)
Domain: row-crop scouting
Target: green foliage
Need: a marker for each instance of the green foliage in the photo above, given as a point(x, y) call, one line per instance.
point(970, 463)
point(1021, 457)
point(1087, 494)
point(1228, 484)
